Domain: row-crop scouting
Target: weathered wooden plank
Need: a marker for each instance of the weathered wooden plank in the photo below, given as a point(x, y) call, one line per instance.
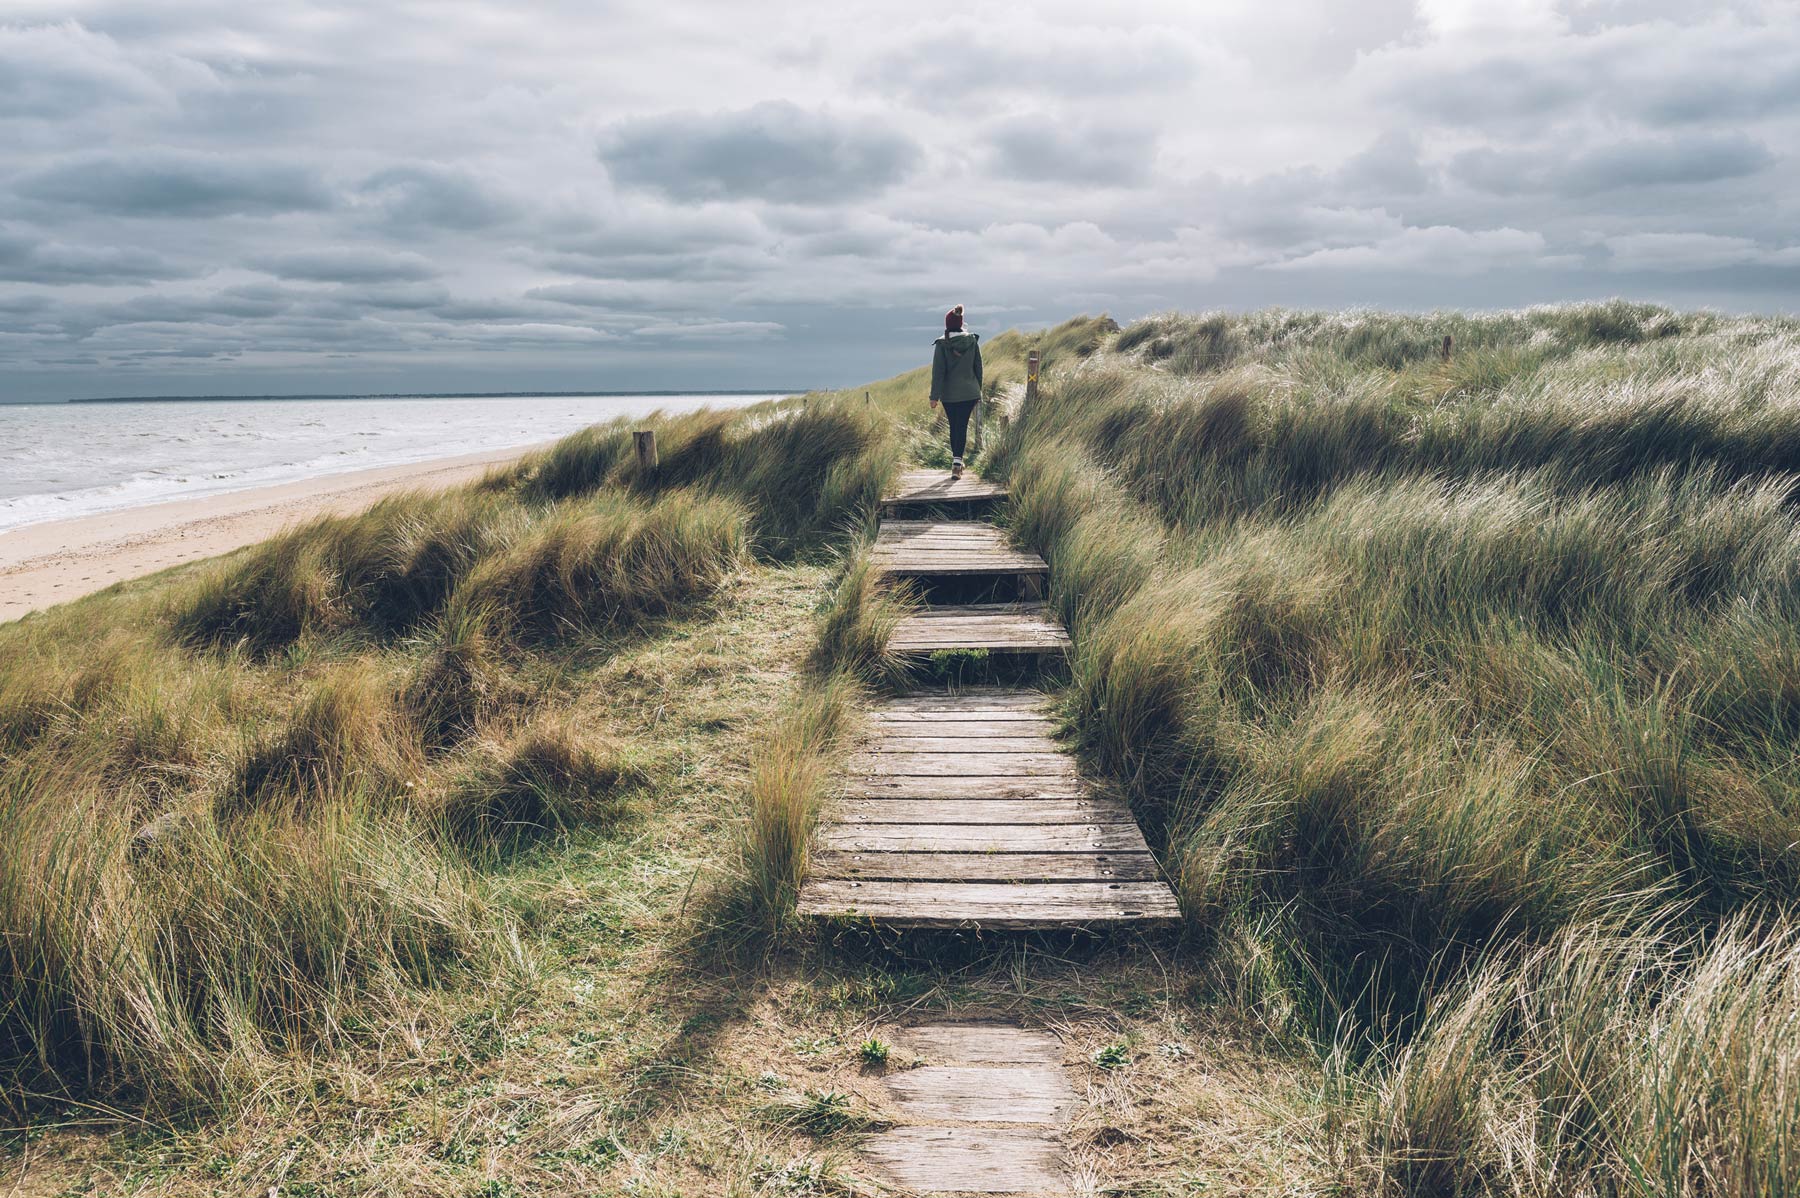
point(972, 541)
point(1039, 1094)
point(924, 786)
point(899, 527)
point(1019, 722)
point(986, 867)
point(994, 647)
point(908, 532)
point(922, 557)
point(961, 745)
point(981, 838)
point(993, 640)
point(948, 632)
point(986, 811)
point(925, 566)
point(983, 698)
point(940, 625)
point(972, 764)
point(952, 729)
point(936, 486)
point(970, 1160)
point(982, 1044)
point(999, 905)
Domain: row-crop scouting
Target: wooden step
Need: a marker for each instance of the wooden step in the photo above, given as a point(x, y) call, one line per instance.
point(918, 488)
point(1002, 628)
point(962, 811)
point(1001, 906)
point(971, 1160)
point(986, 867)
point(979, 1116)
point(944, 548)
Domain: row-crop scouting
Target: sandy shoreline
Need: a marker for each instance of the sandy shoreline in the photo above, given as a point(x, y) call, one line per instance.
point(59, 560)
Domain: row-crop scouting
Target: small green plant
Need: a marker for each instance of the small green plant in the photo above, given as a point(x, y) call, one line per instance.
point(823, 1112)
point(874, 1051)
point(1112, 1056)
point(801, 1177)
point(957, 665)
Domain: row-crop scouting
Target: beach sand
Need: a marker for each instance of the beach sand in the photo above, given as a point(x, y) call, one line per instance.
point(59, 560)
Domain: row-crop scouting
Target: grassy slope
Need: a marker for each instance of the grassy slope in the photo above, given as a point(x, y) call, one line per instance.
point(1460, 697)
point(1349, 761)
point(608, 1020)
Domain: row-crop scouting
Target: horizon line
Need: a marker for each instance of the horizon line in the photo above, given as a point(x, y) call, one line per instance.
point(405, 395)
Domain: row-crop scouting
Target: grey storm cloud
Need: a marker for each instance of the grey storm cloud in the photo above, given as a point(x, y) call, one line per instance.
point(429, 196)
point(177, 185)
point(29, 258)
point(770, 151)
point(1644, 162)
point(1388, 166)
point(53, 71)
point(347, 266)
point(1099, 155)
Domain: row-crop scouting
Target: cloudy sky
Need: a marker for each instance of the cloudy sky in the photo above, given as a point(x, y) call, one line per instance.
point(218, 196)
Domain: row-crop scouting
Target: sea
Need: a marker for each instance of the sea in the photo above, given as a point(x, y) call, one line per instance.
point(59, 460)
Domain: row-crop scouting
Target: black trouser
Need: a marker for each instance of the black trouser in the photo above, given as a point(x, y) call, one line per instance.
point(959, 426)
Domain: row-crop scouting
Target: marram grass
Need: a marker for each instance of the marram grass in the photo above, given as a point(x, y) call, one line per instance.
point(1463, 698)
point(251, 807)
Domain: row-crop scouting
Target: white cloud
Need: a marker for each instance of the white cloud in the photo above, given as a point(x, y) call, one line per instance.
point(1440, 248)
point(1692, 251)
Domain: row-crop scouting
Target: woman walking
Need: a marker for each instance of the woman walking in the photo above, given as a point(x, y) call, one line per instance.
point(956, 381)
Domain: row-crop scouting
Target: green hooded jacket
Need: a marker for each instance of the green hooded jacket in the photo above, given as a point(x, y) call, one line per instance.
point(956, 368)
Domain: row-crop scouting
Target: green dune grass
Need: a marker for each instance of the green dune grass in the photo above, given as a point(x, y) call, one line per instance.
point(1465, 692)
point(1460, 699)
point(247, 800)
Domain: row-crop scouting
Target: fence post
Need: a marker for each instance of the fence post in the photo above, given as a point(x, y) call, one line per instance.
point(1031, 375)
point(866, 400)
point(980, 437)
point(1446, 347)
point(644, 441)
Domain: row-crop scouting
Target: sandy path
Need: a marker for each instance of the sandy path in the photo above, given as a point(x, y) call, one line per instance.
point(49, 563)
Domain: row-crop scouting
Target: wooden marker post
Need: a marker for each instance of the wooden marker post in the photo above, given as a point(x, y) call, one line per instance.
point(644, 441)
point(1031, 375)
point(1446, 347)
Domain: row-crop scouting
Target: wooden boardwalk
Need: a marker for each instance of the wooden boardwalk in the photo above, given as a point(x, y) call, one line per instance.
point(981, 1115)
point(937, 548)
point(1009, 628)
point(924, 488)
point(962, 811)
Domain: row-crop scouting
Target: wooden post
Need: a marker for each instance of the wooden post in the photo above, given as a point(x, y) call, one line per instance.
point(1031, 375)
point(1446, 347)
point(980, 414)
point(644, 440)
point(866, 399)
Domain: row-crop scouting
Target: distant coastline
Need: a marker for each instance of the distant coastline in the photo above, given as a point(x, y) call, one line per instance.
point(402, 395)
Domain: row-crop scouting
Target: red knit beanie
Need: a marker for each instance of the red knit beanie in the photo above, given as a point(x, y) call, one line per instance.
point(953, 320)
